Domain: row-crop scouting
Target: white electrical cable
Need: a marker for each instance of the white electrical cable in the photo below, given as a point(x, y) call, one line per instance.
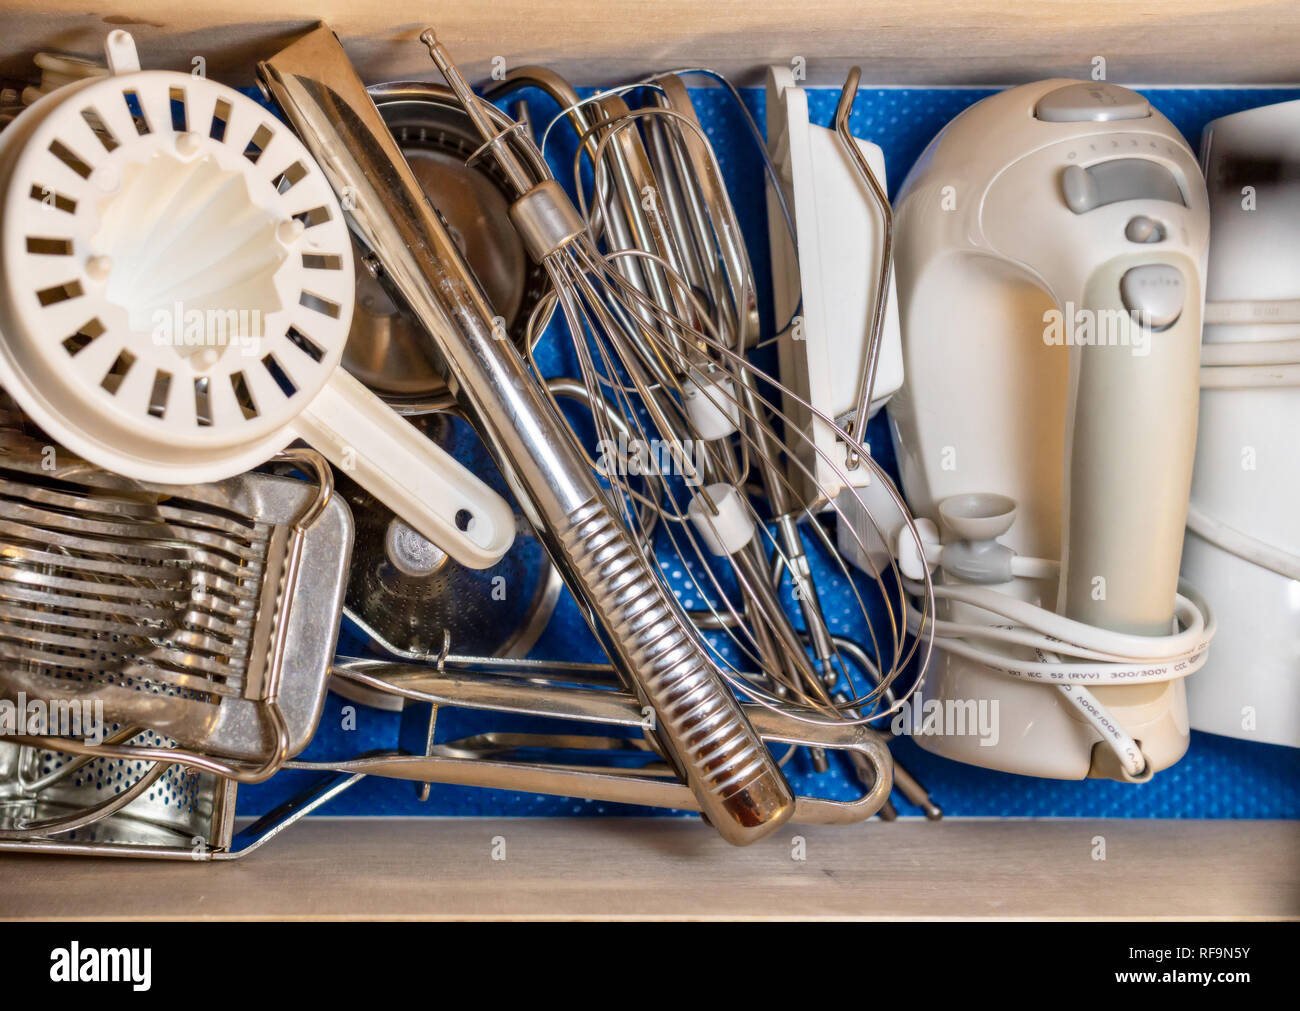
point(1105, 668)
point(1242, 545)
point(1131, 760)
point(1070, 654)
point(1250, 353)
point(1250, 377)
point(1243, 365)
point(1076, 638)
point(1034, 568)
point(1252, 312)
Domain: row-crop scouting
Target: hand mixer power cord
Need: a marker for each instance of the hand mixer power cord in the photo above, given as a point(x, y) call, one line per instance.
point(1071, 655)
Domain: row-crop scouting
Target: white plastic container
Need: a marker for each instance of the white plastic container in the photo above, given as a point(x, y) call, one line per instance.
point(1243, 540)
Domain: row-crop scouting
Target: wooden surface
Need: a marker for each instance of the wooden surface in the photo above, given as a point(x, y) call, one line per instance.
point(669, 868)
point(605, 41)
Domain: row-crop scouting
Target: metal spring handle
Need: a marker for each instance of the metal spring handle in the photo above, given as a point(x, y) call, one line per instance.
point(726, 764)
point(738, 784)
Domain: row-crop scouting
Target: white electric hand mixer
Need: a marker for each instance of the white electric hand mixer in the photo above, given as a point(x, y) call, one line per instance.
point(1051, 265)
point(178, 291)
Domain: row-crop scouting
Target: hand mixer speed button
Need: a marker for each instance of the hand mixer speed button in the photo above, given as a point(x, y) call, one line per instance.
point(1118, 180)
point(1155, 291)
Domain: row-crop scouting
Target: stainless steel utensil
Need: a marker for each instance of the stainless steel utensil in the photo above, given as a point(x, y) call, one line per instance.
point(387, 350)
point(207, 614)
point(403, 590)
point(53, 803)
point(730, 771)
point(584, 694)
point(663, 324)
point(45, 793)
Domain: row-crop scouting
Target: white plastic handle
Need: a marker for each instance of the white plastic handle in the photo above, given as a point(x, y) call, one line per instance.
point(1131, 443)
point(119, 51)
point(413, 476)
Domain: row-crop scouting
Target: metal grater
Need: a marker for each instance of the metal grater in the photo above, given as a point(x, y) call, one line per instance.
point(41, 788)
point(181, 815)
point(205, 613)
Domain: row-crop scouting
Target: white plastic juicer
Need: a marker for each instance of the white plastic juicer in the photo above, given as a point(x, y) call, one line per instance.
point(1051, 259)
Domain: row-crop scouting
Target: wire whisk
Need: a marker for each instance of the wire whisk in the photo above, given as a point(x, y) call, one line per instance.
point(711, 471)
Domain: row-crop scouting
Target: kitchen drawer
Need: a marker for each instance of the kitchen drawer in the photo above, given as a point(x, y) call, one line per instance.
point(1203, 857)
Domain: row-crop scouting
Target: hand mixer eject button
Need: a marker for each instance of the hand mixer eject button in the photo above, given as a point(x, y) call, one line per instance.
point(1155, 291)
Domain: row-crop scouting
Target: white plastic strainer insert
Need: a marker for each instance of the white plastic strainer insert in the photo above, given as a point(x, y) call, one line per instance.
point(177, 291)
